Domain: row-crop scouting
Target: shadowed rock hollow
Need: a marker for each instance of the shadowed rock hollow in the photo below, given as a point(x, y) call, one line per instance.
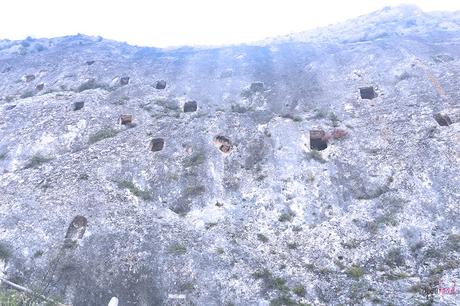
point(320, 168)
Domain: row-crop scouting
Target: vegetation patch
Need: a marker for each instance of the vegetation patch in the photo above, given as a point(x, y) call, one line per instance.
point(355, 271)
point(195, 160)
point(12, 297)
point(102, 134)
point(37, 160)
point(143, 194)
point(27, 94)
point(195, 190)
point(299, 290)
point(5, 252)
point(262, 237)
point(394, 258)
point(270, 282)
point(91, 84)
point(177, 249)
point(286, 217)
point(315, 155)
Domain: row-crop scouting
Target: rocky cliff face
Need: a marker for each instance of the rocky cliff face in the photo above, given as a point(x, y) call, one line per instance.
point(320, 168)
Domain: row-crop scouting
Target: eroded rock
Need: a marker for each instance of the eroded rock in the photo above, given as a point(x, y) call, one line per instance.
point(223, 143)
point(161, 84)
point(78, 105)
point(124, 80)
point(157, 144)
point(367, 93)
point(125, 119)
point(443, 119)
point(190, 106)
point(318, 140)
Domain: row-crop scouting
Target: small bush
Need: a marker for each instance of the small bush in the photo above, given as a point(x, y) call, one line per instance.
point(270, 281)
point(299, 290)
point(143, 194)
point(210, 225)
point(5, 252)
point(195, 160)
point(27, 94)
point(398, 276)
point(286, 217)
point(262, 274)
point(292, 245)
point(12, 297)
point(220, 251)
point(394, 258)
point(36, 160)
point(262, 237)
point(177, 249)
point(195, 190)
point(334, 119)
point(315, 155)
point(279, 283)
point(453, 242)
point(91, 84)
point(355, 271)
point(102, 134)
point(83, 176)
point(283, 300)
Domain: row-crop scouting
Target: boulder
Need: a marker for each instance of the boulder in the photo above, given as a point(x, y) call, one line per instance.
point(161, 84)
point(318, 140)
point(125, 119)
point(78, 105)
point(157, 144)
point(367, 93)
point(190, 106)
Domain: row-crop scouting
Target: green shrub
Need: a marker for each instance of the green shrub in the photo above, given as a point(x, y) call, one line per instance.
point(284, 217)
point(270, 281)
point(143, 194)
point(210, 225)
point(102, 134)
point(27, 94)
point(283, 300)
point(299, 290)
point(355, 271)
point(12, 297)
point(91, 84)
point(220, 251)
point(36, 160)
point(394, 258)
point(195, 160)
point(453, 242)
point(262, 237)
point(177, 249)
point(315, 155)
point(195, 190)
point(5, 252)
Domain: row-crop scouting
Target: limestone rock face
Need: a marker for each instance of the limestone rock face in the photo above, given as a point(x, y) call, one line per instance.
point(225, 201)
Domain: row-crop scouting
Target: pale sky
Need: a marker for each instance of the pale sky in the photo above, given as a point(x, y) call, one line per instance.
point(163, 23)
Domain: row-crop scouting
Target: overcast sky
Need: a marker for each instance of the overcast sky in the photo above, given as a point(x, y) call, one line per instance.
point(164, 23)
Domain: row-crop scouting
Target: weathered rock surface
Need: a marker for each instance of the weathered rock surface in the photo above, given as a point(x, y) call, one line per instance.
point(266, 220)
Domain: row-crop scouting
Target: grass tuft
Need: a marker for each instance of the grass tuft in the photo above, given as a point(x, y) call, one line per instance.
point(355, 272)
point(102, 134)
point(177, 249)
point(143, 194)
point(37, 160)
